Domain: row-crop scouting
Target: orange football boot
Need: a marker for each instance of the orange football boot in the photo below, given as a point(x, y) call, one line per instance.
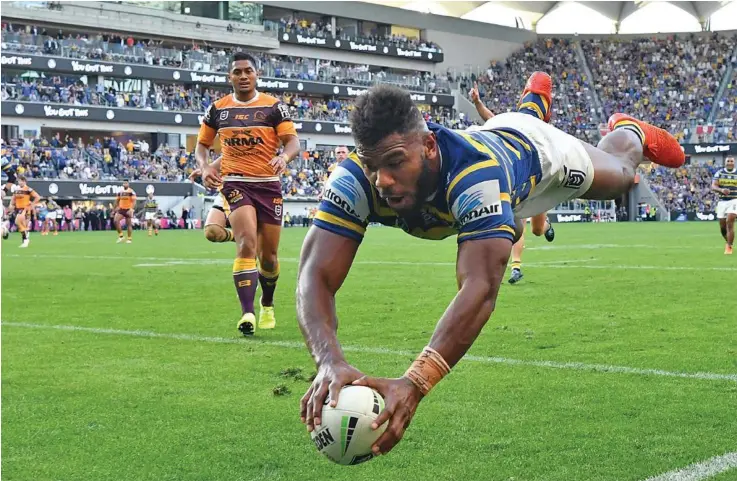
point(541, 84)
point(659, 146)
point(728, 250)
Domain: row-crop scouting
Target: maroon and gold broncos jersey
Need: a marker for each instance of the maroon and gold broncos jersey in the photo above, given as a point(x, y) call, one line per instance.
point(126, 199)
point(22, 197)
point(249, 134)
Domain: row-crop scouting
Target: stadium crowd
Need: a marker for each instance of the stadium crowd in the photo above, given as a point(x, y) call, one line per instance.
point(109, 158)
point(205, 57)
point(726, 116)
point(687, 189)
point(573, 105)
point(670, 82)
point(319, 28)
point(73, 90)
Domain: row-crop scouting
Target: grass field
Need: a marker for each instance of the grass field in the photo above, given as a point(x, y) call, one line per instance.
point(614, 359)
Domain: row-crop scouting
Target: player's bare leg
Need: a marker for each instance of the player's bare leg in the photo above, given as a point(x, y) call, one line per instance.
point(541, 225)
point(245, 274)
point(619, 153)
point(268, 272)
point(729, 224)
point(22, 224)
point(116, 221)
point(215, 227)
point(723, 228)
point(516, 260)
point(129, 228)
point(56, 226)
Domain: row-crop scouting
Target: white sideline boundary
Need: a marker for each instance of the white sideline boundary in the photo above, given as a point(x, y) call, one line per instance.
point(702, 470)
point(577, 366)
point(559, 264)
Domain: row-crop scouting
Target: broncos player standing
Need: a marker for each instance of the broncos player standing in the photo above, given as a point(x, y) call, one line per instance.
point(725, 182)
point(538, 92)
point(24, 202)
point(433, 183)
point(251, 126)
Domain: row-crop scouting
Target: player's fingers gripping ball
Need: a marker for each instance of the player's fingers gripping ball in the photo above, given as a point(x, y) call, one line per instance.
point(344, 435)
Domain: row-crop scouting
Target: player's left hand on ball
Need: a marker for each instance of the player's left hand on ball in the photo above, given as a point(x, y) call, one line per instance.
point(401, 398)
point(279, 163)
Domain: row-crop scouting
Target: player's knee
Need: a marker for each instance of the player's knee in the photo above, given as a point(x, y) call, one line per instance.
point(245, 247)
point(268, 263)
point(538, 230)
point(215, 233)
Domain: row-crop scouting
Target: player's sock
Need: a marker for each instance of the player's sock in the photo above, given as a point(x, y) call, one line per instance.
point(724, 232)
point(516, 265)
point(535, 105)
point(268, 285)
point(627, 124)
point(24, 235)
point(245, 276)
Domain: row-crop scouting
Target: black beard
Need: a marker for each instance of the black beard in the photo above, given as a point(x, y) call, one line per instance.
point(425, 186)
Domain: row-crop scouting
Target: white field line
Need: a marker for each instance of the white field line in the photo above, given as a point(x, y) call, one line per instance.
point(559, 264)
point(699, 471)
point(577, 366)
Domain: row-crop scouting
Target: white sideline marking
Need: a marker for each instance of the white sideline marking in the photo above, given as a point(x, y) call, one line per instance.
point(559, 264)
point(578, 366)
point(703, 470)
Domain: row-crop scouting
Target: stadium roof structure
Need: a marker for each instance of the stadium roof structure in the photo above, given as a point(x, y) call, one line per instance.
point(532, 12)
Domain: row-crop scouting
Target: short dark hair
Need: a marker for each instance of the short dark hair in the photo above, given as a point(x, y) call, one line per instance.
point(22, 177)
point(381, 111)
point(244, 56)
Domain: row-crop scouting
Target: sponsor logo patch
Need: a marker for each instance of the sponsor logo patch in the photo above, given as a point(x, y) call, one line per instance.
point(477, 202)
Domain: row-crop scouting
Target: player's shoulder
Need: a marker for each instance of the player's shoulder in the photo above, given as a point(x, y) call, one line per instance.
point(223, 102)
point(267, 100)
point(349, 188)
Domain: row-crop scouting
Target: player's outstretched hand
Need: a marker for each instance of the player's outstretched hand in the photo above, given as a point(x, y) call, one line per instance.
point(329, 380)
point(211, 177)
point(279, 163)
point(474, 93)
point(401, 398)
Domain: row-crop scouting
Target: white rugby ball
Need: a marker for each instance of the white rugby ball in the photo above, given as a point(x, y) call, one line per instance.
point(345, 435)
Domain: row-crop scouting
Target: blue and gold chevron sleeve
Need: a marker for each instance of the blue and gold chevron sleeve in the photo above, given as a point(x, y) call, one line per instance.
point(346, 202)
point(480, 201)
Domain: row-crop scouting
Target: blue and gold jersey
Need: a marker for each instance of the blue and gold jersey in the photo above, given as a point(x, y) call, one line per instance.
point(484, 175)
point(727, 179)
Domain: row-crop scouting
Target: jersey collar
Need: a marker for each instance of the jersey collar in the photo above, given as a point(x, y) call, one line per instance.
point(255, 97)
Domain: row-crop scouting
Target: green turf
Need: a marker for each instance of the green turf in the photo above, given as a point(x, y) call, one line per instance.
point(95, 406)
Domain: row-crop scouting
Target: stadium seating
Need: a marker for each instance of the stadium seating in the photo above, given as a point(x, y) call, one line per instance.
point(726, 116)
point(669, 82)
point(501, 85)
point(687, 189)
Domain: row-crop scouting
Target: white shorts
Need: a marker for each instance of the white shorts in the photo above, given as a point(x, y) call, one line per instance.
point(725, 207)
point(150, 216)
point(51, 216)
point(567, 171)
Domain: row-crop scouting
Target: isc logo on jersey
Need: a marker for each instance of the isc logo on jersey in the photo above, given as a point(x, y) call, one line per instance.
point(344, 191)
point(477, 202)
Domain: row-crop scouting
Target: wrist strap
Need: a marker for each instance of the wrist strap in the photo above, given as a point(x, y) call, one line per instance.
point(427, 370)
